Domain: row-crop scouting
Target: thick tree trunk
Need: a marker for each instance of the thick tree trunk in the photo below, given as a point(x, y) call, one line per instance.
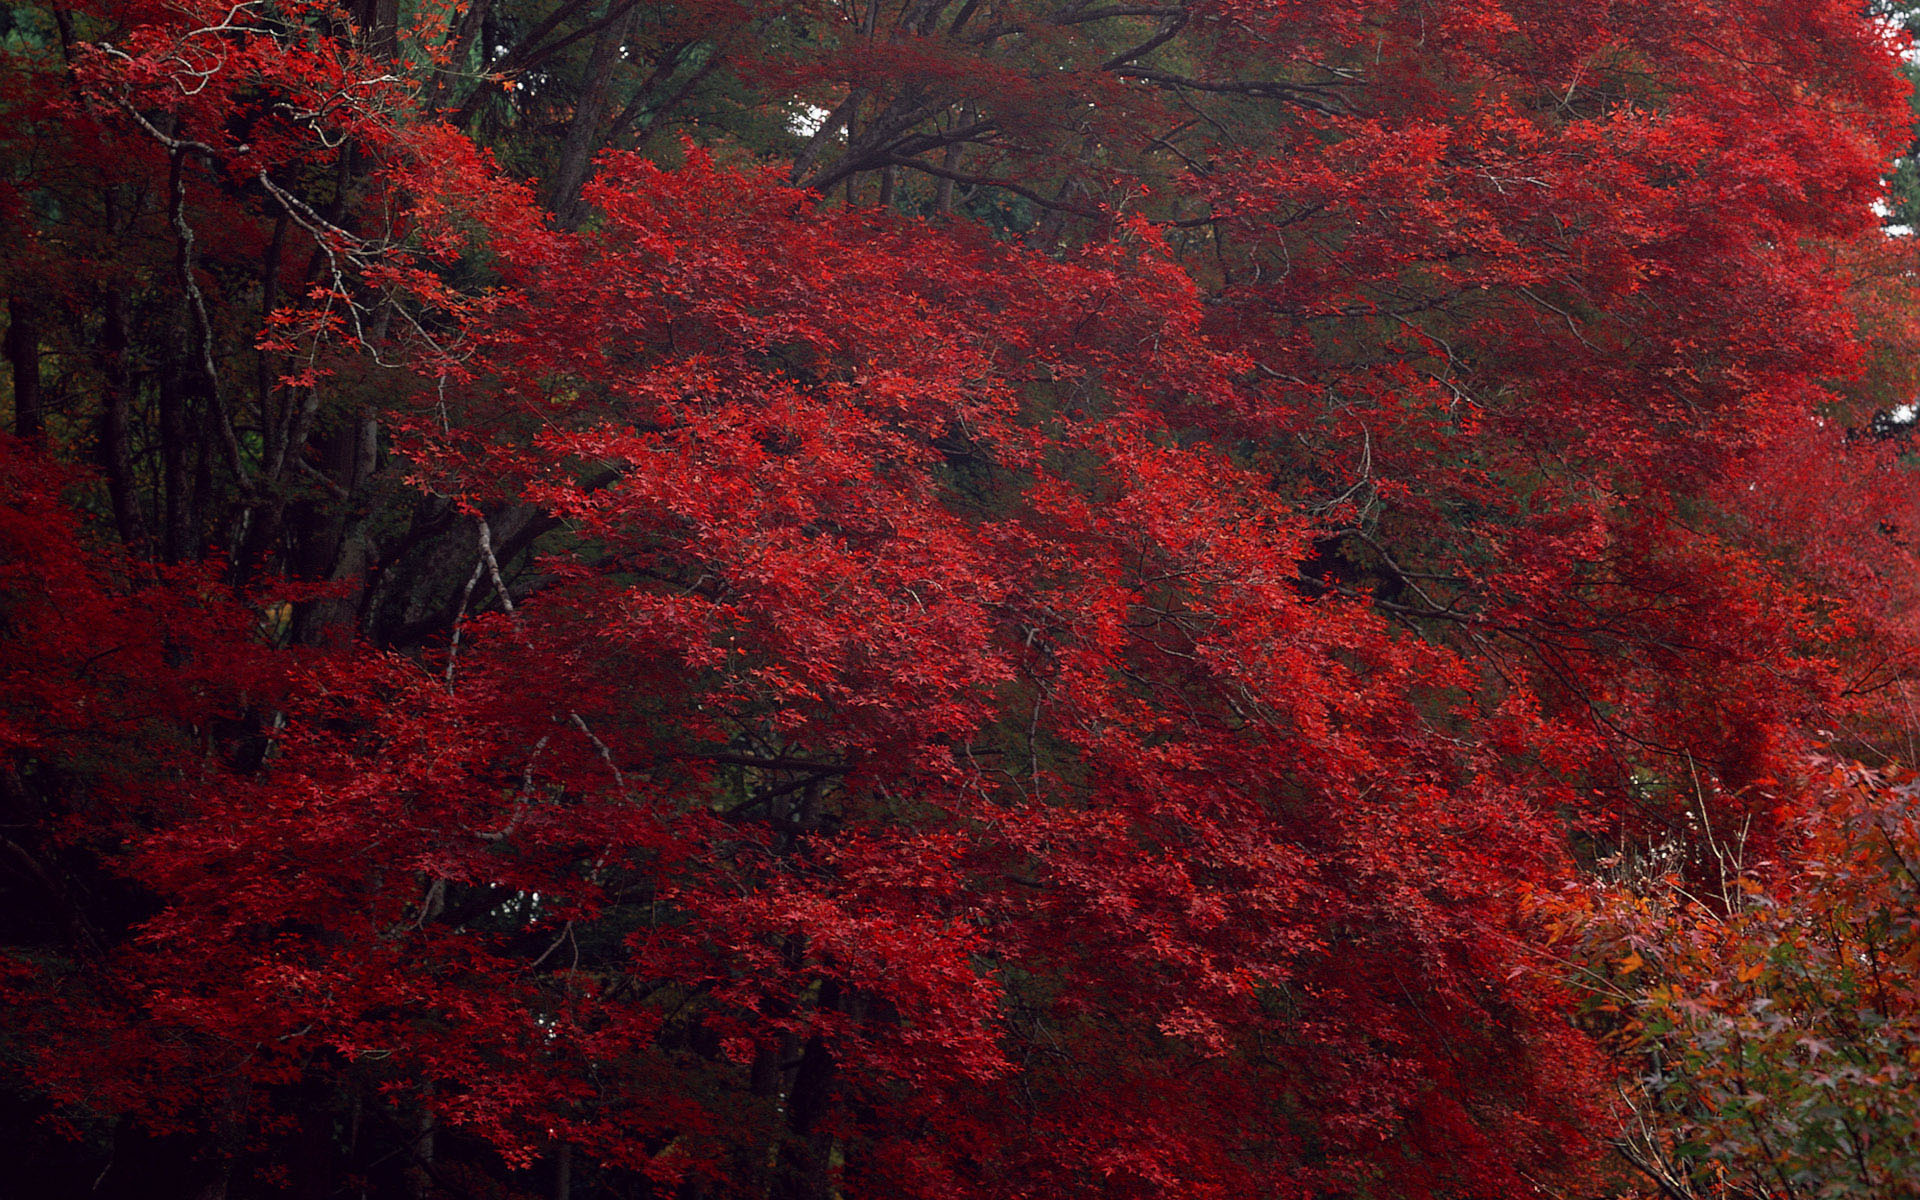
point(584, 134)
point(177, 516)
point(23, 351)
point(215, 1188)
point(419, 1173)
point(316, 1154)
point(379, 22)
point(335, 543)
point(115, 449)
point(805, 1162)
point(269, 395)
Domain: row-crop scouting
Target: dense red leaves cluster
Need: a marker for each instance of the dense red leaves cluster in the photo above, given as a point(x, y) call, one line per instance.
point(977, 716)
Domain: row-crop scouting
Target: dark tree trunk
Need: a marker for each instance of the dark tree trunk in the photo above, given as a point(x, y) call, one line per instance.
point(806, 1167)
point(584, 134)
point(115, 446)
point(23, 351)
point(334, 543)
point(177, 517)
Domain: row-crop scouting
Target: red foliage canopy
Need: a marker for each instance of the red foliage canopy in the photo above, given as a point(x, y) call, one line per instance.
point(965, 710)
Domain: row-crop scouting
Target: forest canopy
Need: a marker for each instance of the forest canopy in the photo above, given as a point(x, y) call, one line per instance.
point(957, 598)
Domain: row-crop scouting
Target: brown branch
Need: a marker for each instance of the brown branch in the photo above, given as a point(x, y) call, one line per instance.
point(1167, 33)
point(1008, 185)
point(1303, 95)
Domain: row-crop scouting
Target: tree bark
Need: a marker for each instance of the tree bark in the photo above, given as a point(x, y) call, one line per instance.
point(115, 445)
point(23, 351)
point(583, 135)
point(177, 517)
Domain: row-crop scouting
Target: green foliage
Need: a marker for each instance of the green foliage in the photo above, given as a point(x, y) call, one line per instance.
point(1769, 1018)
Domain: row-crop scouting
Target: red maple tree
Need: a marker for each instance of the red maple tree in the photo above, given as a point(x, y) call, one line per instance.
point(1021, 643)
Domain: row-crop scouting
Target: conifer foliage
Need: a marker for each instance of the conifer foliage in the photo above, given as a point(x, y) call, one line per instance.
point(942, 599)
